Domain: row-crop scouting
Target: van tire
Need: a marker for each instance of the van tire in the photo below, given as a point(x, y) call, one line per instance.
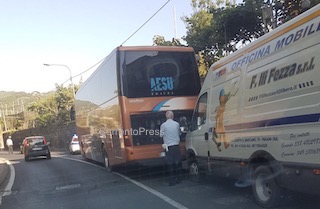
point(266, 190)
point(195, 174)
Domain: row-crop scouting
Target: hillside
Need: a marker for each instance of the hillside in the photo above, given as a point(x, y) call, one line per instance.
point(11, 98)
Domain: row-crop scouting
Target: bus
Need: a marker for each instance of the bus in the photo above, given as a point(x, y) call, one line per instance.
point(120, 107)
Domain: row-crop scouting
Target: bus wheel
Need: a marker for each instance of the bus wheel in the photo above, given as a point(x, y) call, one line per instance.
point(266, 190)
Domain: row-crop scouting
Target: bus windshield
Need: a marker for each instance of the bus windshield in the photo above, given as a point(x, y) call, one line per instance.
point(158, 73)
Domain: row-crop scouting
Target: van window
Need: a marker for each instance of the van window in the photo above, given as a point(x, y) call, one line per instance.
point(200, 114)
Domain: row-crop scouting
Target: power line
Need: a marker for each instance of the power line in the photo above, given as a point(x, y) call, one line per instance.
point(125, 40)
point(122, 42)
point(146, 22)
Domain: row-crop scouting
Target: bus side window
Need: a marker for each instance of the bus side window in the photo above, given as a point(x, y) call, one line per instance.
point(200, 113)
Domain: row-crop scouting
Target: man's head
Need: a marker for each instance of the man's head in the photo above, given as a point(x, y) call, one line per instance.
point(9, 137)
point(169, 115)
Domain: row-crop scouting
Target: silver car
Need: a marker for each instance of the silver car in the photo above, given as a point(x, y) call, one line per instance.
point(74, 145)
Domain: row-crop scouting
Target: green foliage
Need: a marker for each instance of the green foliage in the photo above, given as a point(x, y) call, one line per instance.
point(13, 114)
point(160, 41)
point(199, 26)
point(54, 109)
point(202, 65)
point(216, 29)
point(288, 9)
point(45, 109)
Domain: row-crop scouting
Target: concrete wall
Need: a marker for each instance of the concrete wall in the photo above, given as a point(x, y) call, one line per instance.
point(58, 135)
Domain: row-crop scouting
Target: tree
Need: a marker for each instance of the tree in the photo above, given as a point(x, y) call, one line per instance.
point(54, 109)
point(160, 41)
point(216, 30)
point(46, 111)
point(287, 9)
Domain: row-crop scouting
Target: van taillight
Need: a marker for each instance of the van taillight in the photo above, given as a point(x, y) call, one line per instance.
point(316, 171)
point(44, 141)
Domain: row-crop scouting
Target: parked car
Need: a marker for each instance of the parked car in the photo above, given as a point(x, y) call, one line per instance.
point(74, 146)
point(36, 146)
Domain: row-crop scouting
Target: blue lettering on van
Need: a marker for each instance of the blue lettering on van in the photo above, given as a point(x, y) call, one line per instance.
point(278, 73)
point(261, 52)
point(283, 41)
point(293, 37)
point(159, 84)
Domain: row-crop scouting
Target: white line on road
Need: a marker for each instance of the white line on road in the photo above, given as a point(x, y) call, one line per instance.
point(152, 191)
point(7, 190)
point(69, 186)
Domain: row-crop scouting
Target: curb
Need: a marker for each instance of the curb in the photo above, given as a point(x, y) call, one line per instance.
point(4, 172)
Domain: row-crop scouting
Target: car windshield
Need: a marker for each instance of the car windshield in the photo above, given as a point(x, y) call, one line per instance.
point(35, 141)
point(160, 104)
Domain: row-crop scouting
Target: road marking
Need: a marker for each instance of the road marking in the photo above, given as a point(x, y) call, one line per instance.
point(7, 190)
point(152, 191)
point(70, 186)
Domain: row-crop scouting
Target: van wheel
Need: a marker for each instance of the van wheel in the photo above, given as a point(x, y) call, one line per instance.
point(266, 190)
point(49, 156)
point(194, 170)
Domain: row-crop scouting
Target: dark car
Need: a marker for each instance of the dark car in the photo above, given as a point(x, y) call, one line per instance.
point(35, 146)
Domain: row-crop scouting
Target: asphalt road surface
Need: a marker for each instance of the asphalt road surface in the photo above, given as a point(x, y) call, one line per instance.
point(68, 181)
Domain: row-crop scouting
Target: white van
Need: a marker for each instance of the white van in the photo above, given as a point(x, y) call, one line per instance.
point(258, 113)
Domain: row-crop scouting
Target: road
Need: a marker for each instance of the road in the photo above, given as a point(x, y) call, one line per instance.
point(68, 181)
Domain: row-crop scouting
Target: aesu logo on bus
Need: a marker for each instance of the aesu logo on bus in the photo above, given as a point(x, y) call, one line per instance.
point(161, 86)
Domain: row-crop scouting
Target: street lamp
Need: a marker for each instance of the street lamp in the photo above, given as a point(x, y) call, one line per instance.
point(74, 94)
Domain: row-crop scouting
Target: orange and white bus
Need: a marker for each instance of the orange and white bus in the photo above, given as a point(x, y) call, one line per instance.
point(120, 107)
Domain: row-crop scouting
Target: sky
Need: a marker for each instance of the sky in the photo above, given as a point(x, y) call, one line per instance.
point(77, 34)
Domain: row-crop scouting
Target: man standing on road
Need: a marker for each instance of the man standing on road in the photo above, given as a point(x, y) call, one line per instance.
point(170, 131)
point(9, 143)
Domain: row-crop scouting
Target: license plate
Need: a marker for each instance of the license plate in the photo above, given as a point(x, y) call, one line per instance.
point(162, 154)
point(37, 148)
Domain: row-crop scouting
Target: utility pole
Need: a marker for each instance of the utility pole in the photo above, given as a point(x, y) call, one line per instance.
point(174, 22)
point(4, 118)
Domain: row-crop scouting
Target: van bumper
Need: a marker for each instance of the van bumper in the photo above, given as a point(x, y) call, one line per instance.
point(300, 179)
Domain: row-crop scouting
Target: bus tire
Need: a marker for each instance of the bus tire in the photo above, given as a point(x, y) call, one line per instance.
point(266, 191)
